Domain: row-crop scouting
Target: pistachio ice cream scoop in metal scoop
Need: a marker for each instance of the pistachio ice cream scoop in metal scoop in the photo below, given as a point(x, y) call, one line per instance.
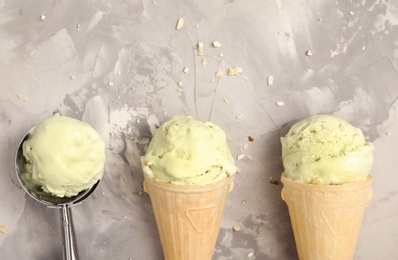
point(40, 193)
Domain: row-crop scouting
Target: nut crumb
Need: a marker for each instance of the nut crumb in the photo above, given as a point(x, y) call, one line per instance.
point(204, 61)
point(270, 80)
point(78, 27)
point(236, 228)
point(179, 90)
point(4, 229)
point(320, 19)
point(250, 138)
point(387, 133)
point(221, 54)
point(240, 157)
point(239, 116)
point(251, 254)
point(197, 26)
point(20, 97)
point(243, 202)
point(200, 48)
point(103, 193)
point(272, 181)
point(180, 23)
point(217, 44)
point(185, 69)
point(72, 77)
point(219, 74)
point(351, 12)
point(280, 103)
point(124, 217)
point(140, 193)
point(225, 101)
point(42, 17)
point(308, 53)
point(234, 71)
point(180, 83)
point(245, 146)
point(111, 84)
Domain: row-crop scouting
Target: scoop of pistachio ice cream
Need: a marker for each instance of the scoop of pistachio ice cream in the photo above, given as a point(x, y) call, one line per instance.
point(64, 156)
point(324, 149)
point(188, 152)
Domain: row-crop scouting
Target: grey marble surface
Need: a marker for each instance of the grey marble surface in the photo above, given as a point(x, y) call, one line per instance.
point(117, 65)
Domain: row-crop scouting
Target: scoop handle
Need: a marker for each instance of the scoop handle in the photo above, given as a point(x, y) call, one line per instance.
point(70, 250)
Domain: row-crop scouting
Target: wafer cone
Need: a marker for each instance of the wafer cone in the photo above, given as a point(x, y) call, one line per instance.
point(188, 217)
point(326, 218)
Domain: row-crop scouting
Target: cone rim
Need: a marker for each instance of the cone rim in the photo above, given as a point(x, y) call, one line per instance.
point(189, 188)
point(327, 187)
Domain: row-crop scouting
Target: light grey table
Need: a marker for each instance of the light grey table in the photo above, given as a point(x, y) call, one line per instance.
point(118, 66)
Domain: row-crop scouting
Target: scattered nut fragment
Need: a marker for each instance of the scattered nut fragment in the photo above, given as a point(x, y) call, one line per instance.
point(308, 53)
point(236, 228)
point(225, 101)
point(42, 17)
point(245, 146)
point(280, 103)
point(219, 74)
point(180, 83)
point(221, 54)
point(250, 138)
point(111, 84)
point(217, 44)
point(387, 133)
point(234, 71)
point(243, 202)
point(270, 80)
point(204, 61)
point(3, 229)
point(240, 157)
point(140, 193)
point(185, 69)
point(251, 254)
point(20, 97)
point(72, 77)
point(78, 27)
point(180, 23)
point(272, 181)
point(179, 90)
point(320, 19)
point(200, 48)
point(197, 26)
point(103, 193)
point(351, 12)
point(239, 116)
point(124, 217)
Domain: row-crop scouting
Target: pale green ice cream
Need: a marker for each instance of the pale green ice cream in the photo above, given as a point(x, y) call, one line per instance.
point(64, 156)
point(326, 150)
point(185, 151)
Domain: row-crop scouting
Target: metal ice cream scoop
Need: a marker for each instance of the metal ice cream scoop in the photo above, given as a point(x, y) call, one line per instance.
point(52, 201)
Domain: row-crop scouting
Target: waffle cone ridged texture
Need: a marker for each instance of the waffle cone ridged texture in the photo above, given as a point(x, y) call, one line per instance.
point(326, 219)
point(188, 217)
